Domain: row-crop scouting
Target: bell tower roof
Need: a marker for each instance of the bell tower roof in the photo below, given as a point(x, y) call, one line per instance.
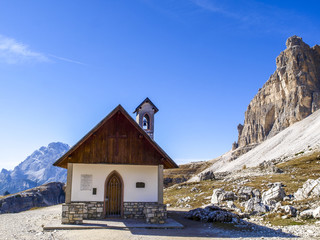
point(147, 100)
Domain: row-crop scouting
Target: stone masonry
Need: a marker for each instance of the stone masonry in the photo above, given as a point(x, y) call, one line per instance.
point(135, 209)
point(93, 210)
point(76, 212)
point(156, 213)
point(72, 213)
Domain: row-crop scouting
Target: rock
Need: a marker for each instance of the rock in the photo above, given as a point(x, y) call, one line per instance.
point(254, 205)
point(215, 195)
point(42, 196)
point(194, 189)
point(277, 207)
point(311, 188)
point(183, 200)
point(208, 175)
point(306, 214)
point(316, 213)
point(219, 195)
point(231, 205)
point(256, 193)
point(227, 196)
point(211, 214)
point(169, 181)
point(275, 193)
point(245, 193)
point(286, 198)
point(270, 167)
point(289, 210)
point(221, 175)
point(291, 94)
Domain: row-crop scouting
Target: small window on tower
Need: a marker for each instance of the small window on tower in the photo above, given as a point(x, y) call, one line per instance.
point(146, 122)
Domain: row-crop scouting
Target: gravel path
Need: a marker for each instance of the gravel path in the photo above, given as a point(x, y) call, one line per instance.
point(28, 225)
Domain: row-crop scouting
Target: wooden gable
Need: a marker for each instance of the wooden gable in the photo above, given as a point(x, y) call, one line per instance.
point(117, 139)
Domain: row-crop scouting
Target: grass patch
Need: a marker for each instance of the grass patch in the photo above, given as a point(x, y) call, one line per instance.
point(197, 199)
point(276, 220)
point(296, 173)
point(299, 153)
point(285, 222)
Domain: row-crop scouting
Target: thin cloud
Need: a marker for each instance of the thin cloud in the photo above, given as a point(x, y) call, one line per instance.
point(210, 6)
point(67, 60)
point(14, 52)
point(251, 13)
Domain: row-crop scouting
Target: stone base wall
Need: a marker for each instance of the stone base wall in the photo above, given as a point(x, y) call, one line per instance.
point(93, 210)
point(135, 209)
point(72, 213)
point(156, 214)
point(75, 212)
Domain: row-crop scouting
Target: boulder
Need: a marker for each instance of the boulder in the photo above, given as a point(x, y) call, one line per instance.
point(245, 193)
point(227, 196)
point(211, 214)
point(289, 210)
point(219, 195)
point(306, 214)
point(254, 205)
point(274, 194)
point(215, 195)
point(256, 193)
point(231, 205)
point(209, 175)
point(270, 167)
point(310, 189)
point(316, 213)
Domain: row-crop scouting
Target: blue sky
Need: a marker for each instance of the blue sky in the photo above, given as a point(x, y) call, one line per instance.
point(64, 65)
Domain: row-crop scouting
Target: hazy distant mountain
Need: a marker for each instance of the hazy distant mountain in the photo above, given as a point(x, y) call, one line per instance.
point(35, 170)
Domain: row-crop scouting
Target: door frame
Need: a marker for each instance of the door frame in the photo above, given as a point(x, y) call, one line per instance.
point(111, 174)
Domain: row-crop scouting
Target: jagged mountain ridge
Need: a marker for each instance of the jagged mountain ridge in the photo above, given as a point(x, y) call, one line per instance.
point(35, 170)
point(291, 94)
point(283, 119)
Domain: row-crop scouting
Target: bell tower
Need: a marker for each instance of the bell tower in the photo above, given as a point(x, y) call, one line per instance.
point(145, 116)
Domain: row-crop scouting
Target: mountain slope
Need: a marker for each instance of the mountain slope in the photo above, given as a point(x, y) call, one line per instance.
point(35, 170)
point(301, 138)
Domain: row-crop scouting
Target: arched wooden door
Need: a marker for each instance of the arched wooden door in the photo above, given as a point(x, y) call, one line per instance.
point(113, 195)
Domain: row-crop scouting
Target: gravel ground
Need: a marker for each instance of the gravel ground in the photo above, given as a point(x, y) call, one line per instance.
point(28, 225)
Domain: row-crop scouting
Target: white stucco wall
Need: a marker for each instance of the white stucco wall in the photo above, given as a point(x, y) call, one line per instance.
point(130, 175)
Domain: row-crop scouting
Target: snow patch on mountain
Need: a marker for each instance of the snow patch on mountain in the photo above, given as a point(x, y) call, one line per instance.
point(35, 170)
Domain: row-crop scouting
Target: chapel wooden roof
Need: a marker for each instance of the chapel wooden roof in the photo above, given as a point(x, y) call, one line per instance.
point(147, 100)
point(117, 139)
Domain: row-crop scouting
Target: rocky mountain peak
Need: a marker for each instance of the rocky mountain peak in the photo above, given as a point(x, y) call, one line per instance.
point(35, 170)
point(295, 41)
point(291, 94)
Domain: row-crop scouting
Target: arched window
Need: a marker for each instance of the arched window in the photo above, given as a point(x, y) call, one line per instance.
point(146, 122)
